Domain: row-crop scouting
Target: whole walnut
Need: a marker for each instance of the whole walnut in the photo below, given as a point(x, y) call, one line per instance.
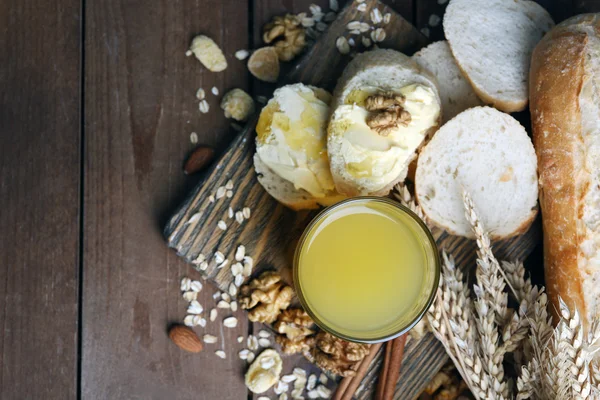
point(265, 297)
point(295, 335)
point(337, 355)
point(288, 34)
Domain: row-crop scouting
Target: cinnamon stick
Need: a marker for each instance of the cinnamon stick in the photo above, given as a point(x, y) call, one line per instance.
point(391, 369)
point(348, 385)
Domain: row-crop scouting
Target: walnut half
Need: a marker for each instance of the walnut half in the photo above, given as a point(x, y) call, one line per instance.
point(387, 112)
point(337, 355)
point(265, 297)
point(295, 335)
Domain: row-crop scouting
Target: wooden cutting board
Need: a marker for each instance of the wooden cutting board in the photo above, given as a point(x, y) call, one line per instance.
point(271, 233)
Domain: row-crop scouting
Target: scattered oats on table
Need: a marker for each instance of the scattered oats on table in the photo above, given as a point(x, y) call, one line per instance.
point(362, 7)
point(434, 20)
point(229, 194)
point(230, 212)
point(229, 185)
point(246, 212)
point(230, 322)
point(376, 16)
point(213, 314)
point(220, 354)
point(342, 45)
point(378, 35)
point(222, 225)
point(242, 54)
point(352, 25)
point(221, 192)
point(237, 269)
point(200, 94)
point(351, 42)
point(215, 91)
point(234, 306)
point(263, 334)
point(240, 252)
point(211, 199)
point(233, 289)
point(263, 342)
point(223, 304)
point(240, 339)
point(238, 280)
point(225, 296)
point(185, 284)
point(366, 41)
point(195, 307)
point(203, 107)
point(387, 18)
point(193, 138)
point(196, 286)
point(190, 296)
point(239, 217)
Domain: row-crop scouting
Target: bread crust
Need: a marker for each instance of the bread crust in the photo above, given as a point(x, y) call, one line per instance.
point(556, 77)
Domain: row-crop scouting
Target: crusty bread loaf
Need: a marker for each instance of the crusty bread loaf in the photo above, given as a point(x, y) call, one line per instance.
point(488, 154)
point(386, 70)
point(492, 41)
point(456, 92)
point(565, 113)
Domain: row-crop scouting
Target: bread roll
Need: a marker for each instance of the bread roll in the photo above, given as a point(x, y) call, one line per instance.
point(565, 114)
point(291, 148)
point(369, 162)
point(487, 153)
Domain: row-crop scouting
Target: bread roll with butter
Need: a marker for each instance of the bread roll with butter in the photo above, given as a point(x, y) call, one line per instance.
point(565, 115)
point(291, 148)
point(385, 106)
point(488, 154)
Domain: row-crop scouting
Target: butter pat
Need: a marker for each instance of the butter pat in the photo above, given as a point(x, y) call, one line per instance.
point(382, 159)
point(292, 139)
point(264, 372)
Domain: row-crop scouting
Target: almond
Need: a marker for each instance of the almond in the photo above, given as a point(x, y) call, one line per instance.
point(198, 160)
point(185, 338)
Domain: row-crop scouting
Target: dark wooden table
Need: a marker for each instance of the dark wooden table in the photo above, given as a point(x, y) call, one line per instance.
point(97, 103)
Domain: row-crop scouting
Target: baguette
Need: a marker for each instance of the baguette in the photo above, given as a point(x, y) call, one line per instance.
point(565, 114)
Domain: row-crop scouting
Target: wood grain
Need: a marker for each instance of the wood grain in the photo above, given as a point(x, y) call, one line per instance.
point(140, 110)
point(40, 78)
point(270, 234)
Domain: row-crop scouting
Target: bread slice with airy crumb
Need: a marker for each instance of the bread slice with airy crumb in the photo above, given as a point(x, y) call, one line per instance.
point(363, 161)
point(456, 92)
point(492, 42)
point(488, 154)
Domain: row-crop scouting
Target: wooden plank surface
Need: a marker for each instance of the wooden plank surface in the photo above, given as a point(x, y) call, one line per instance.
point(39, 195)
point(140, 110)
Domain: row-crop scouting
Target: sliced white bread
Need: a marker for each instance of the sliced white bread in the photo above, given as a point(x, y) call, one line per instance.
point(375, 72)
point(488, 154)
point(492, 42)
point(456, 92)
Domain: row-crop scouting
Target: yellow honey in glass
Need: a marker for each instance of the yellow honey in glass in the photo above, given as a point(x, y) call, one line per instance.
point(366, 269)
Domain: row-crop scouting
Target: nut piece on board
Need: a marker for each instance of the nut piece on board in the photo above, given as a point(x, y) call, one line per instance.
point(264, 372)
point(198, 159)
point(295, 335)
point(209, 53)
point(288, 34)
point(264, 64)
point(237, 104)
point(337, 355)
point(185, 338)
point(265, 297)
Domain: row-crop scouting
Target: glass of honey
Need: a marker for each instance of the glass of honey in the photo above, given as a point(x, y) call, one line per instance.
point(366, 269)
